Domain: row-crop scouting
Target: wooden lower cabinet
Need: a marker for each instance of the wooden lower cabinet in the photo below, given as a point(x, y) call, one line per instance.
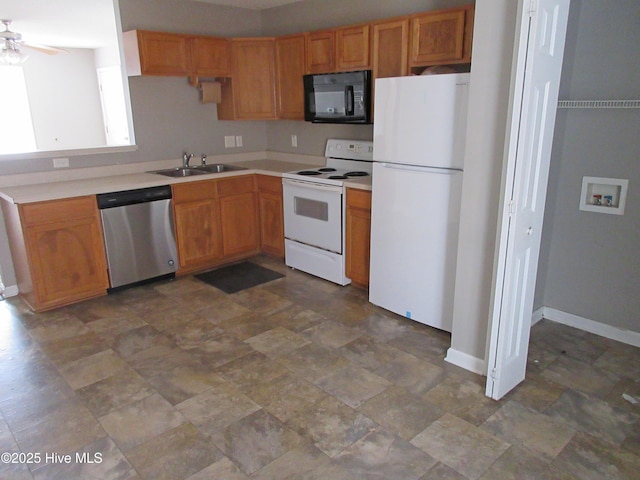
point(58, 251)
point(216, 221)
point(358, 236)
point(271, 215)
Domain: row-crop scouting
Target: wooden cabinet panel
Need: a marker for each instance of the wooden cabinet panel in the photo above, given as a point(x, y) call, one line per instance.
point(239, 222)
point(290, 67)
point(163, 53)
point(210, 56)
point(68, 262)
point(271, 215)
point(390, 48)
point(352, 48)
point(251, 92)
point(59, 252)
point(236, 185)
point(320, 51)
point(441, 37)
point(358, 236)
point(197, 226)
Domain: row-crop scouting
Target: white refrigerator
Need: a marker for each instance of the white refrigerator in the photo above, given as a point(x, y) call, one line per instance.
point(418, 152)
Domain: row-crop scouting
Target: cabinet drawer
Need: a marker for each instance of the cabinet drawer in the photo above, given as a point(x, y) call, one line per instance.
point(193, 191)
point(235, 185)
point(58, 210)
point(268, 183)
point(359, 198)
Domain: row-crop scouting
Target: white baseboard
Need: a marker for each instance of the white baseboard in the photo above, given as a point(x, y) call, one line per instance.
point(10, 291)
point(608, 331)
point(466, 361)
point(537, 316)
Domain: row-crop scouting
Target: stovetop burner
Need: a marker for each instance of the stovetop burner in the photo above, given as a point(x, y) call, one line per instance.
point(357, 174)
point(309, 172)
point(327, 169)
point(337, 177)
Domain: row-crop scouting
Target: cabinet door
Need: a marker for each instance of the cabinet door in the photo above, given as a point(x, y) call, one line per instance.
point(390, 48)
point(271, 215)
point(198, 233)
point(352, 48)
point(320, 49)
point(239, 221)
point(210, 56)
point(163, 54)
point(358, 236)
point(438, 38)
point(290, 67)
point(67, 260)
point(252, 87)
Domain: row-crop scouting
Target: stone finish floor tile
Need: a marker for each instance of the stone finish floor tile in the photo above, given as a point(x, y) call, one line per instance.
point(298, 379)
point(380, 454)
point(462, 446)
point(531, 430)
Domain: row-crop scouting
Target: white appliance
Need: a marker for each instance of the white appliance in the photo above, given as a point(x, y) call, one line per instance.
point(418, 152)
point(314, 206)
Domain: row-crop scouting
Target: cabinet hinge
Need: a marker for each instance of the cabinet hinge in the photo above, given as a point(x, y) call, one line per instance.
point(511, 208)
point(493, 374)
point(533, 7)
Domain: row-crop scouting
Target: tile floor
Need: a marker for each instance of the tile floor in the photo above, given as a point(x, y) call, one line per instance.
point(296, 379)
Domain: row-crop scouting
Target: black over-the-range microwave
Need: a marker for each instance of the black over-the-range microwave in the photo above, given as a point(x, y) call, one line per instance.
point(338, 97)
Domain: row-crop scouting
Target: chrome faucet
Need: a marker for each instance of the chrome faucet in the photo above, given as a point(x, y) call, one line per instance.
point(185, 159)
point(203, 160)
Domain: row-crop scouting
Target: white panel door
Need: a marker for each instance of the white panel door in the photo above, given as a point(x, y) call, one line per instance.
point(541, 48)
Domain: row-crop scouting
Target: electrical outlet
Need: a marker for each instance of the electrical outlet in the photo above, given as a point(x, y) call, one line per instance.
point(294, 140)
point(238, 140)
point(60, 163)
point(229, 141)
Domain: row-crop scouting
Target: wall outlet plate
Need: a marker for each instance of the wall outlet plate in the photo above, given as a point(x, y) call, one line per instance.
point(61, 163)
point(229, 141)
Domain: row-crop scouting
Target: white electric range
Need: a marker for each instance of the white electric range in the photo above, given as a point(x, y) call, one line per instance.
point(314, 209)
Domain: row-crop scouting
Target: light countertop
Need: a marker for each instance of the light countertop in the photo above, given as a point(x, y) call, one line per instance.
point(129, 181)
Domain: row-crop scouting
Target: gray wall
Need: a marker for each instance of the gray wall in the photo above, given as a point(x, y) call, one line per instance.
point(589, 264)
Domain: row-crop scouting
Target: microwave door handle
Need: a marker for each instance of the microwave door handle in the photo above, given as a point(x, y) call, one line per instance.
point(349, 100)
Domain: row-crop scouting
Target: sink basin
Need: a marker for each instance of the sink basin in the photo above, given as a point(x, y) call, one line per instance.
point(179, 172)
point(219, 168)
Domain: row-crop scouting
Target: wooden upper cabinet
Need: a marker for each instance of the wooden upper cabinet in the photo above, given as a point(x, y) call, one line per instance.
point(336, 50)
point(390, 48)
point(352, 48)
point(290, 67)
point(210, 56)
point(251, 92)
point(441, 37)
point(157, 53)
point(320, 50)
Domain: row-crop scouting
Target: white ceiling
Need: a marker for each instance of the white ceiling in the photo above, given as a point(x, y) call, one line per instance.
point(75, 23)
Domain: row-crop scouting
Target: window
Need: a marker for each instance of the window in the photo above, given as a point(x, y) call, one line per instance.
point(16, 131)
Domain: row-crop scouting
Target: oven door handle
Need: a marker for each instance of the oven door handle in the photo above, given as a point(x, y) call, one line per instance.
point(314, 186)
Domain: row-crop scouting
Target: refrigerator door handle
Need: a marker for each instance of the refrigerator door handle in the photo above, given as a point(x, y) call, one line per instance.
point(413, 168)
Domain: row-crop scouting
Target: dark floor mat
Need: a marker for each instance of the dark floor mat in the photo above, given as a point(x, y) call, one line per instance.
point(237, 277)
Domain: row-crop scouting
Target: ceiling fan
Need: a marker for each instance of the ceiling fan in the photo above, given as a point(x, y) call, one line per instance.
point(11, 43)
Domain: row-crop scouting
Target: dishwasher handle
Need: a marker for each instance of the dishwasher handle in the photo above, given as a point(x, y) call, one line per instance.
point(131, 197)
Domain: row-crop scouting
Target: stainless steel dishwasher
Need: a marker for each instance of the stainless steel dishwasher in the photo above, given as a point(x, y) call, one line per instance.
point(138, 234)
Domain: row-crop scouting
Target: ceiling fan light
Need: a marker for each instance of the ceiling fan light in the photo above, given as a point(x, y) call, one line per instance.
point(11, 54)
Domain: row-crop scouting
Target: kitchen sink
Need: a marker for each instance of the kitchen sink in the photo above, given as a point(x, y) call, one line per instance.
point(179, 172)
point(219, 168)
